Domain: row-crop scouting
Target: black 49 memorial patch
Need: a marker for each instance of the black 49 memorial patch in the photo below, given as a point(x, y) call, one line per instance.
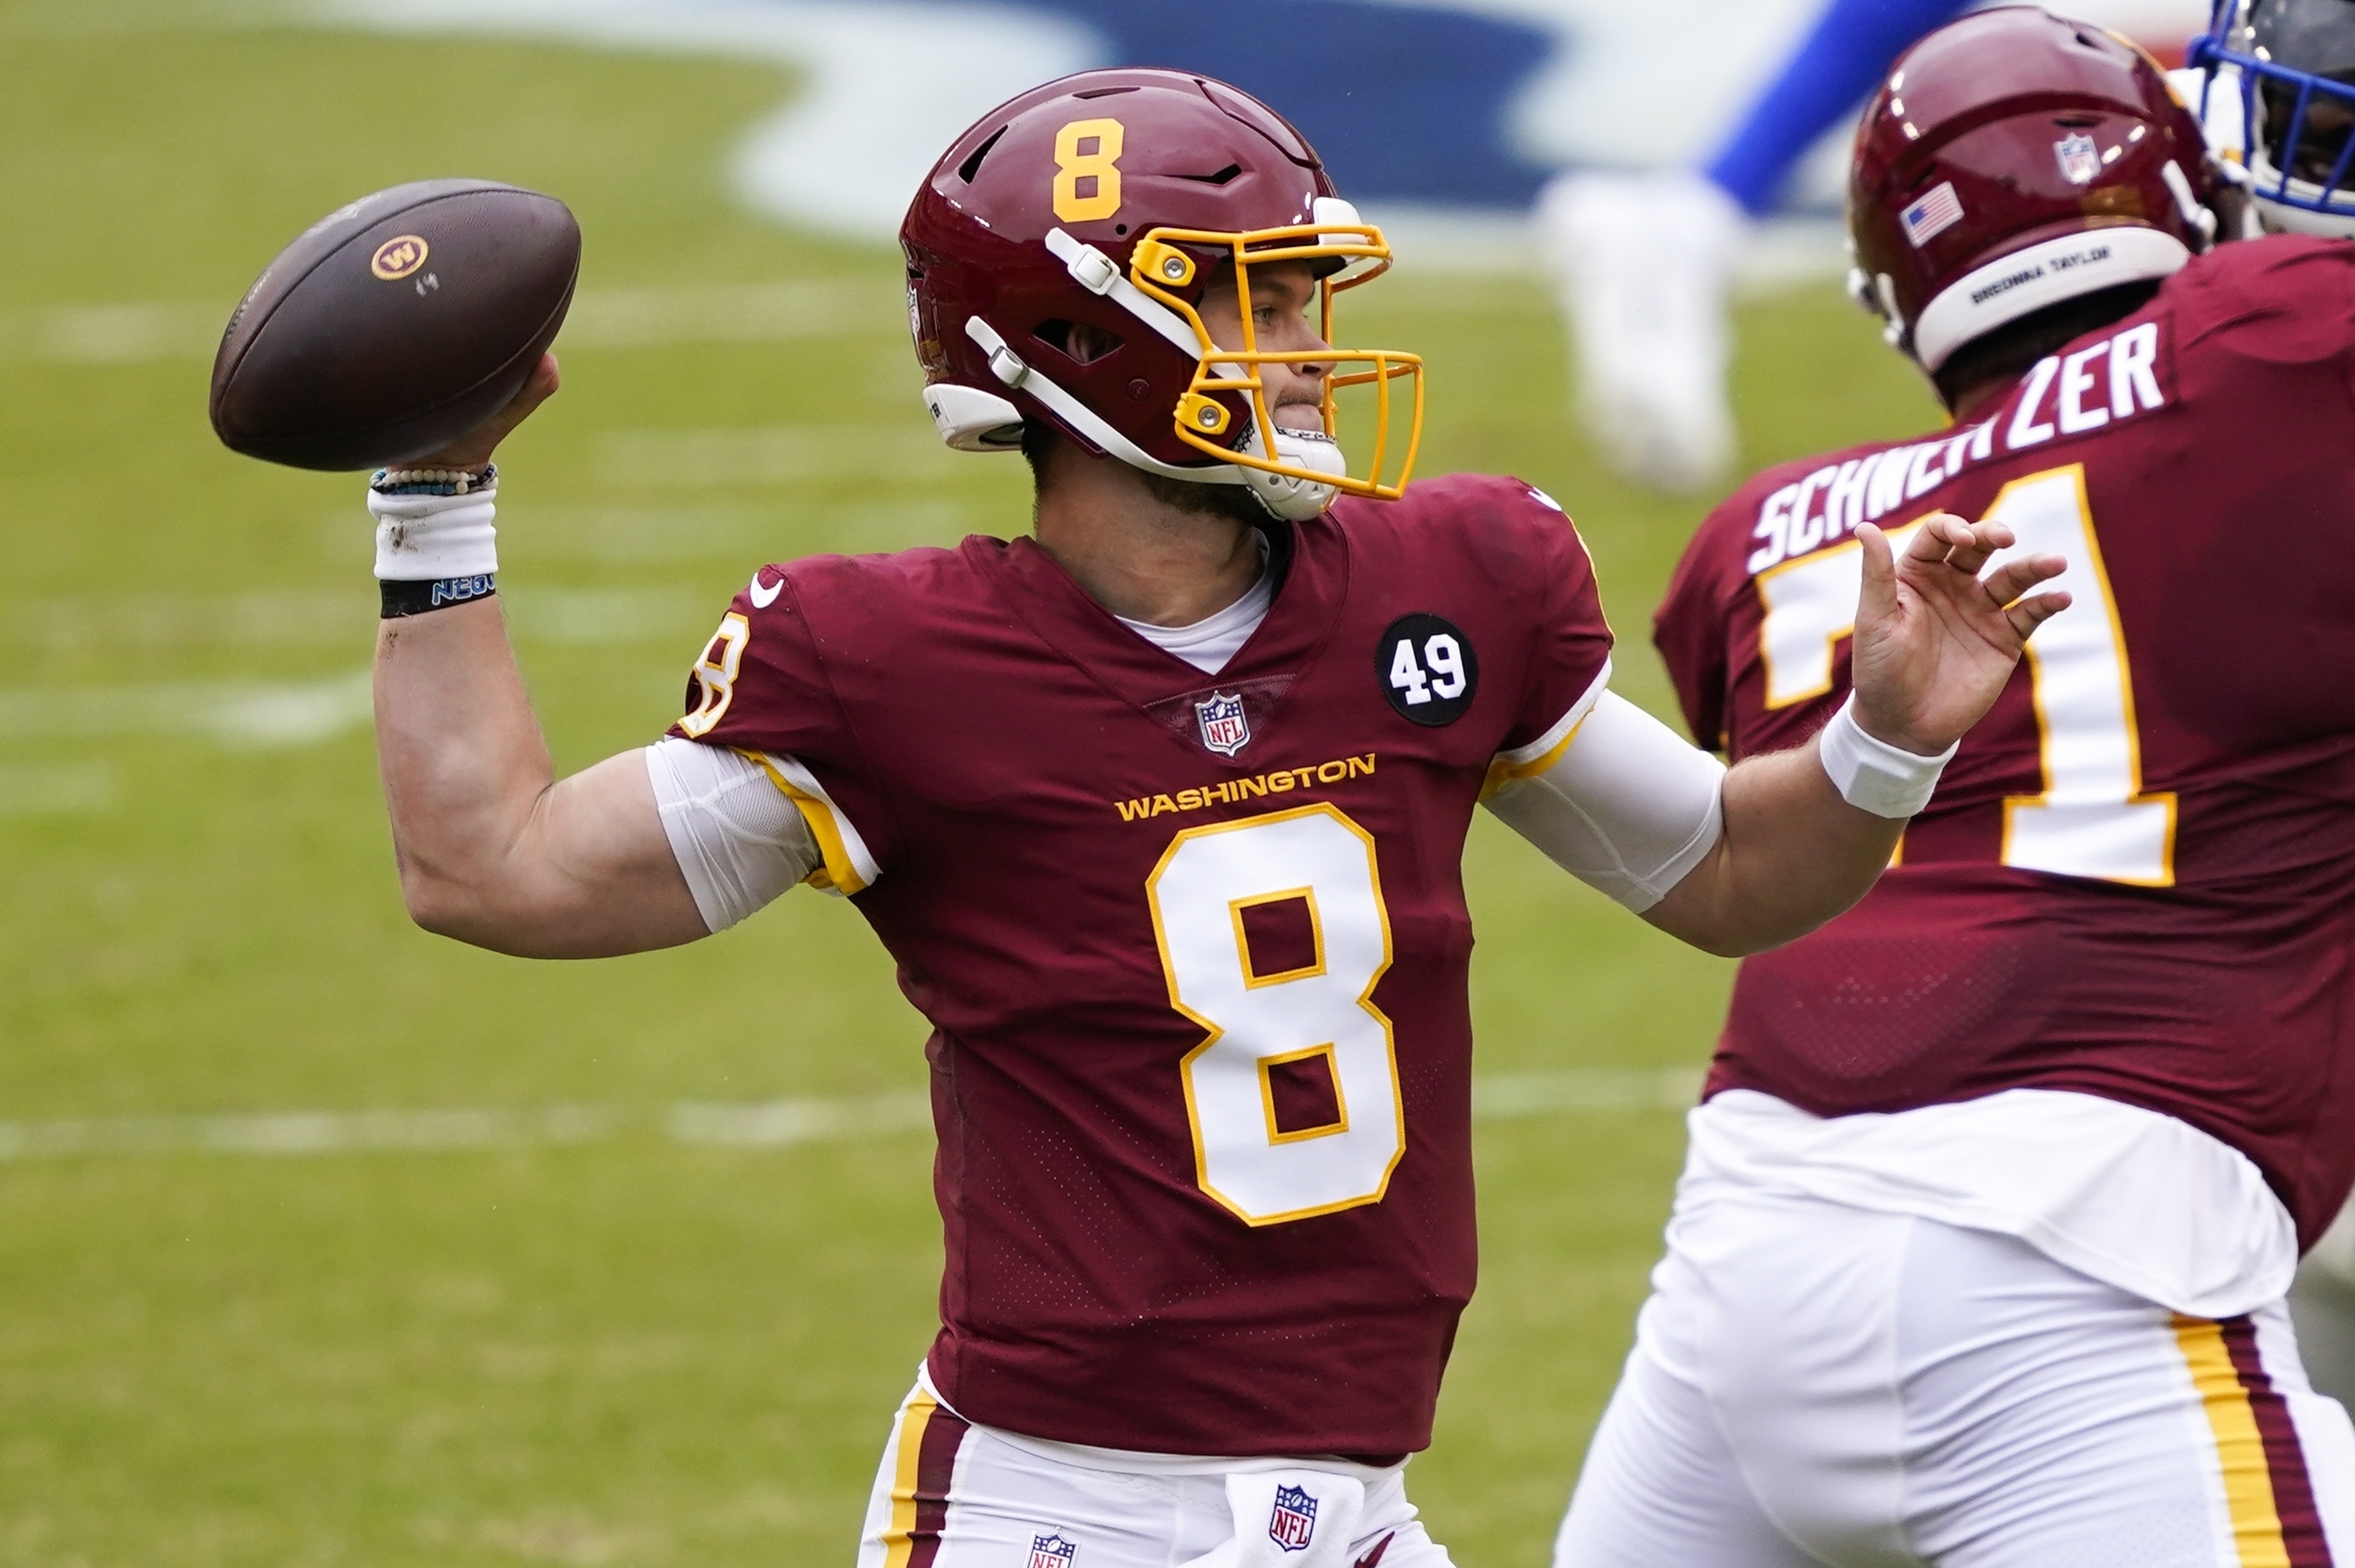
point(1427, 669)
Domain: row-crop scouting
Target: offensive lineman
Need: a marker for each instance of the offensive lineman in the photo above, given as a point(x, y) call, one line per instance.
point(1160, 811)
point(1980, 1254)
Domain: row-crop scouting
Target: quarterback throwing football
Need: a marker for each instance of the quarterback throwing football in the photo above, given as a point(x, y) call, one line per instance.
point(1980, 1254)
point(1160, 810)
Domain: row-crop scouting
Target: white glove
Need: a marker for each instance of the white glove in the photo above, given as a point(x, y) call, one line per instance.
point(1289, 1519)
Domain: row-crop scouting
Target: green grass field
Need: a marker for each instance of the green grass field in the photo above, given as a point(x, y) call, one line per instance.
point(604, 1344)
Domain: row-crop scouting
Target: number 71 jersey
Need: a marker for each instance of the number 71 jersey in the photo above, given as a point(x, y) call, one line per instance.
point(2134, 880)
point(1194, 948)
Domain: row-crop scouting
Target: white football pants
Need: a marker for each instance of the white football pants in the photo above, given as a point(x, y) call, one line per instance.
point(1814, 1384)
point(952, 1494)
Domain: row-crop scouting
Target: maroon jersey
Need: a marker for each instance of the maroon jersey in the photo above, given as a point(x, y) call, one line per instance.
point(1193, 948)
point(2134, 878)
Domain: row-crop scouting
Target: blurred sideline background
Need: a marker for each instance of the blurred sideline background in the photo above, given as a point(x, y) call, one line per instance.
point(326, 1242)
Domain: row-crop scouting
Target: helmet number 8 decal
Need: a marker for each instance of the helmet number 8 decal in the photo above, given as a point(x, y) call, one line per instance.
point(1273, 935)
point(1087, 170)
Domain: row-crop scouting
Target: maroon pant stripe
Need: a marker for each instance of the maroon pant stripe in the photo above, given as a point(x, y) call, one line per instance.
point(935, 1468)
point(2301, 1521)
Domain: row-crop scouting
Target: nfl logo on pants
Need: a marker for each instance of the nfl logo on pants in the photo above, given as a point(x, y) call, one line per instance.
point(1052, 1551)
point(1295, 1518)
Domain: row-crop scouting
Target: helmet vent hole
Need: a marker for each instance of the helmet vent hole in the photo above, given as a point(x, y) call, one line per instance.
point(1079, 342)
point(1221, 178)
point(1103, 91)
point(972, 165)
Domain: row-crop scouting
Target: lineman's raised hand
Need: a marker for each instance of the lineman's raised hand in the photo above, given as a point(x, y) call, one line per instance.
point(1934, 643)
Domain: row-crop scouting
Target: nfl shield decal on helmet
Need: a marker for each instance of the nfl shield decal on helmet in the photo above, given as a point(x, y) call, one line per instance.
point(2080, 160)
point(1051, 1551)
point(1293, 1522)
point(1224, 728)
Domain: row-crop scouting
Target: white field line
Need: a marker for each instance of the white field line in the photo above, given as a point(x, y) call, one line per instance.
point(64, 789)
point(246, 715)
point(768, 1124)
point(906, 451)
point(342, 618)
point(1787, 252)
point(141, 331)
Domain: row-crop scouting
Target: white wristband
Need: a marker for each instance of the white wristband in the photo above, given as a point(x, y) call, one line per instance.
point(1873, 775)
point(423, 538)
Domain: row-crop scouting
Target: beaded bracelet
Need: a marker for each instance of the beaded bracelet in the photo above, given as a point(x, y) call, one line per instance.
point(433, 481)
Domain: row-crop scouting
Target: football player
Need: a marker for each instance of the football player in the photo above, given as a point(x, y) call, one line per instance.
point(1160, 809)
point(2278, 94)
point(1980, 1250)
point(1642, 262)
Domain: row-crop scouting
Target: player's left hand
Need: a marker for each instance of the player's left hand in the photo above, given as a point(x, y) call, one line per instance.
point(1935, 641)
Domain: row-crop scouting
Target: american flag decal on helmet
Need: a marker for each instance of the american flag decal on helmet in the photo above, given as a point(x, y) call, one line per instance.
point(1938, 210)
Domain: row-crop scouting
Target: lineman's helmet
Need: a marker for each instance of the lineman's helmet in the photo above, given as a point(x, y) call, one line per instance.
point(2011, 161)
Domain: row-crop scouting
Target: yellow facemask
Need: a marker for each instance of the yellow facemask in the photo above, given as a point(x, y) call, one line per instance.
point(1158, 267)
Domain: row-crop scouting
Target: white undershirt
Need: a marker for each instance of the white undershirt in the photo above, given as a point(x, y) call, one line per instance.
point(1209, 642)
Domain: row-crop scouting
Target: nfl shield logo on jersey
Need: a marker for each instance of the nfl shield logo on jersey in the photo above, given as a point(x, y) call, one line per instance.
point(1295, 1518)
point(1224, 728)
point(1052, 1551)
point(2080, 159)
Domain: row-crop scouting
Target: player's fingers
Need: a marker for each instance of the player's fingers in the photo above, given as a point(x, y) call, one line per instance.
point(2014, 578)
point(475, 447)
point(2030, 614)
point(1879, 597)
point(1980, 541)
point(536, 388)
point(540, 386)
point(1940, 532)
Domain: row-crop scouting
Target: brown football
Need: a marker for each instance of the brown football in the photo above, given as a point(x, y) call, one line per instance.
point(395, 324)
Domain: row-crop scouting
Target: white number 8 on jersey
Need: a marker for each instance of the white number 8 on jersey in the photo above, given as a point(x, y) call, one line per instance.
point(1258, 1023)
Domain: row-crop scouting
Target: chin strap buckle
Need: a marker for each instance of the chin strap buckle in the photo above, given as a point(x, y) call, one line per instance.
point(1004, 363)
point(1090, 268)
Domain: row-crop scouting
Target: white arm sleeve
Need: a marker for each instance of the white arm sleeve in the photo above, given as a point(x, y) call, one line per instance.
point(1628, 809)
point(739, 841)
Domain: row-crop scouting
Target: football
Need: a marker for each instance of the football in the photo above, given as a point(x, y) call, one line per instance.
point(394, 324)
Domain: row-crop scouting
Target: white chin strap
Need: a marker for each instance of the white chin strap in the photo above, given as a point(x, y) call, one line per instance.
point(1281, 495)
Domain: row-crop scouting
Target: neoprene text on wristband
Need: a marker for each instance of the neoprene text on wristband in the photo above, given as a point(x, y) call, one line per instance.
point(402, 598)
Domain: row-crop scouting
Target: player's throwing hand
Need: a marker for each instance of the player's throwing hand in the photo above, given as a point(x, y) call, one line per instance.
point(1935, 640)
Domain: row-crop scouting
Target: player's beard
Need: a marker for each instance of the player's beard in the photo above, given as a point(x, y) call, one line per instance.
point(1235, 503)
point(1232, 502)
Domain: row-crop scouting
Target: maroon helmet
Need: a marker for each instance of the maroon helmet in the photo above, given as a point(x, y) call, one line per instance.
point(1109, 200)
point(2013, 160)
